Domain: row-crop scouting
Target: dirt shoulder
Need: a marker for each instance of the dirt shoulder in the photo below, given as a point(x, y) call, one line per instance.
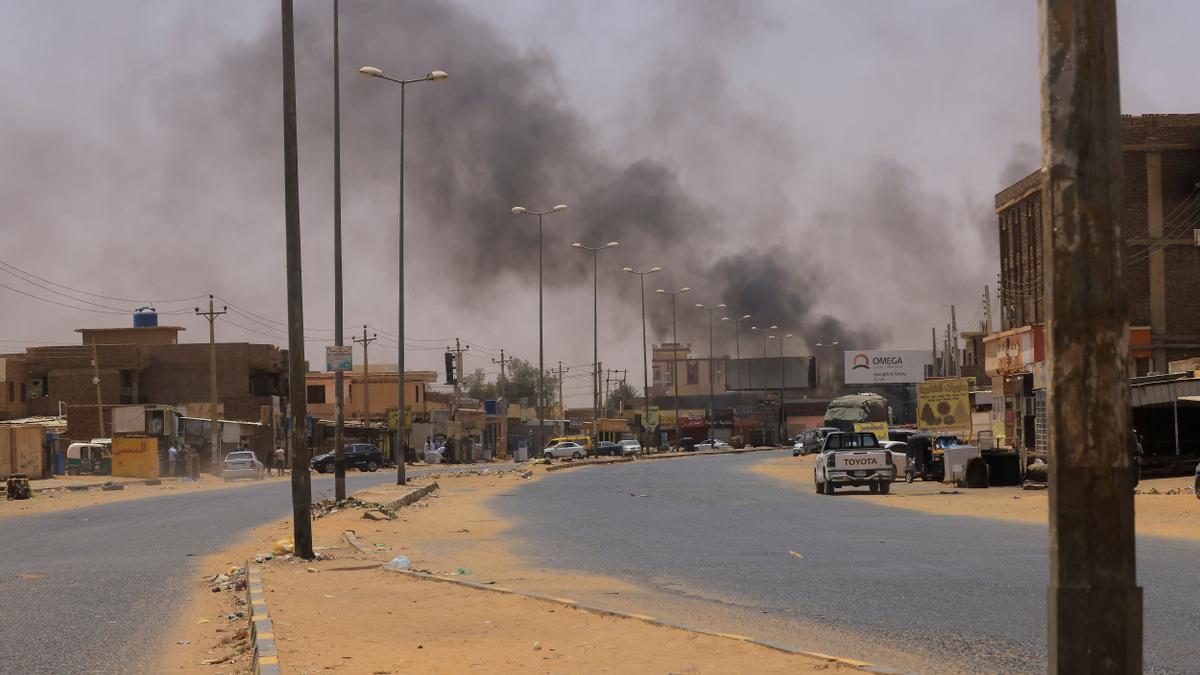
point(57, 494)
point(1164, 507)
point(348, 613)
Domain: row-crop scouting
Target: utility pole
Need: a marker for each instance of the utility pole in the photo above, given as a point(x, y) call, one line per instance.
point(954, 338)
point(933, 339)
point(500, 382)
point(562, 407)
point(339, 428)
point(366, 342)
point(301, 481)
point(987, 310)
point(1093, 603)
point(96, 381)
point(215, 431)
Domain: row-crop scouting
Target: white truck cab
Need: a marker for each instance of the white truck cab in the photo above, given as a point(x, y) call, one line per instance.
point(853, 459)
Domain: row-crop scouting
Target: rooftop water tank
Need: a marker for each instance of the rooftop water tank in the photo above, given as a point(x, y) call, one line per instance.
point(145, 317)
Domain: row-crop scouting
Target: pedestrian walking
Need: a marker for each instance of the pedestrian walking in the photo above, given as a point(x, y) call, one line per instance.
point(280, 459)
point(172, 457)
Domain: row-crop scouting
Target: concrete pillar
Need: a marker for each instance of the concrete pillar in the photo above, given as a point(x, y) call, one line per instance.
point(1158, 272)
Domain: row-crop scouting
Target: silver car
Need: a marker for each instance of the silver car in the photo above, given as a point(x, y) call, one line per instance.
point(564, 449)
point(630, 446)
point(713, 444)
point(242, 464)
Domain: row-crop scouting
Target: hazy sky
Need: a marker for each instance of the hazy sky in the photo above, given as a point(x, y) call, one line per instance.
point(827, 166)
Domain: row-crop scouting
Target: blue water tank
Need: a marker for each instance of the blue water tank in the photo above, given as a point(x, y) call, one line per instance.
point(145, 317)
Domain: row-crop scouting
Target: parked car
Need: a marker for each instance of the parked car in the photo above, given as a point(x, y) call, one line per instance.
point(854, 459)
point(564, 449)
point(685, 444)
point(713, 444)
point(361, 456)
point(242, 464)
point(608, 448)
point(809, 442)
point(630, 446)
point(899, 455)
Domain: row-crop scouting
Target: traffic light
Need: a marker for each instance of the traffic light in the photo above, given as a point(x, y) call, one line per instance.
point(451, 372)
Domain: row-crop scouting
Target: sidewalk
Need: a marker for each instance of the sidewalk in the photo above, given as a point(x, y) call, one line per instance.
point(322, 611)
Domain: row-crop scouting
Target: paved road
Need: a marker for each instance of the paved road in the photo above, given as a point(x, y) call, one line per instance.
point(112, 576)
point(712, 541)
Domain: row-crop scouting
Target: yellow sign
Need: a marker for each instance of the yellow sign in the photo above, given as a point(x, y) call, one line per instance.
point(944, 405)
point(880, 429)
point(135, 457)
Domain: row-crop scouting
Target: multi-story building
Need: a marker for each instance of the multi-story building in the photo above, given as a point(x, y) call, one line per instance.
point(146, 365)
point(1161, 218)
point(1160, 226)
point(693, 371)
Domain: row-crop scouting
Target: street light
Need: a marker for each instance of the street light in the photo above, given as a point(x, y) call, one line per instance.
point(435, 75)
point(595, 251)
point(737, 346)
point(828, 370)
point(645, 364)
point(764, 332)
point(674, 353)
point(541, 394)
point(782, 386)
point(712, 411)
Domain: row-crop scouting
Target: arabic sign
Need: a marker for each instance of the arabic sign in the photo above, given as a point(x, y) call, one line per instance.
point(944, 405)
point(134, 457)
point(339, 358)
point(887, 366)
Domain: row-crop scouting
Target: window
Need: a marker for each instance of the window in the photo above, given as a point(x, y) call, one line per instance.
point(22, 392)
point(11, 392)
point(316, 393)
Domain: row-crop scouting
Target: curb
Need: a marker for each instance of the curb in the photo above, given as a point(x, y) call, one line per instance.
point(265, 658)
point(413, 495)
point(576, 465)
point(705, 453)
point(592, 609)
point(92, 486)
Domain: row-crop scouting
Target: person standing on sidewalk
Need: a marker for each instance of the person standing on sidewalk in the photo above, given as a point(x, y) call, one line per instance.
point(172, 456)
point(280, 459)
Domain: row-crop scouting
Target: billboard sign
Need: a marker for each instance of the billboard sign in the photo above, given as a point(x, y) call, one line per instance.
point(887, 366)
point(772, 372)
point(944, 405)
point(339, 358)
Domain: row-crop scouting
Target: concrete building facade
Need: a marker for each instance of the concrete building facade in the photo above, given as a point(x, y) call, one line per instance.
point(1161, 155)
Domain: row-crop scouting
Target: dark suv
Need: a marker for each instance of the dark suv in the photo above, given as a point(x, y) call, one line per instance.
point(361, 456)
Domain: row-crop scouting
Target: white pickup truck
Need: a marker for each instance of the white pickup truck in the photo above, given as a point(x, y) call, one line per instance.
point(853, 459)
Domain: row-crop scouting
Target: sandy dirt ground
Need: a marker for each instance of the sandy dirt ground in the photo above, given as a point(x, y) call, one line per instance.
point(347, 614)
point(1164, 507)
point(55, 494)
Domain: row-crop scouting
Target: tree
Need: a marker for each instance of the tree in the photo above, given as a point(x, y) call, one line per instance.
point(520, 382)
point(476, 385)
point(622, 395)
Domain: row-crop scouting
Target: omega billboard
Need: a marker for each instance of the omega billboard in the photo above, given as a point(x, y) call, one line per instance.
point(888, 366)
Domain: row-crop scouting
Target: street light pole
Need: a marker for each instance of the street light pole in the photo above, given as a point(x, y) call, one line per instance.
point(828, 366)
point(595, 251)
point(645, 361)
point(432, 76)
point(541, 392)
point(675, 356)
point(712, 410)
point(782, 387)
point(339, 425)
point(737, 346)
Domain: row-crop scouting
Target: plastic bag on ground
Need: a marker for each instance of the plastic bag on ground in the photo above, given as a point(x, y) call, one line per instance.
point(398, 563)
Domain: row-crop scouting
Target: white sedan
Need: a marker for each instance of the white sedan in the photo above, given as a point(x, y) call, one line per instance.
point(242, 464)
point(564, 449)
point(899, 456)
point(713, 444)
point(630, 446)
